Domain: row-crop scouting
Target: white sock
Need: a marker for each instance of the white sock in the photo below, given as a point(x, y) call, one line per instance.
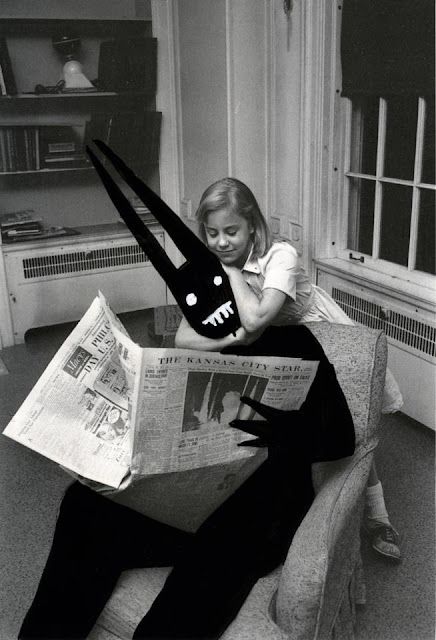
point(375, 508)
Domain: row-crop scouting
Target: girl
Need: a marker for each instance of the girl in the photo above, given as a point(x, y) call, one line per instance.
point(271, 288)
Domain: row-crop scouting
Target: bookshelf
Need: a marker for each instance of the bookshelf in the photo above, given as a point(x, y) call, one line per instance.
point(30, 68)
point(26, 103)
point(45, 168)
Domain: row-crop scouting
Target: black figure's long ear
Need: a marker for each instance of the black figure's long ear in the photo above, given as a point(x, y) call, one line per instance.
point(185, 240)
point(145, 238)
point(200, 285)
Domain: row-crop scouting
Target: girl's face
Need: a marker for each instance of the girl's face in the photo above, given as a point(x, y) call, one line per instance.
point(228, 236)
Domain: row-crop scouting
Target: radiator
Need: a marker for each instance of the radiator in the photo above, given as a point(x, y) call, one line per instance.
point(51, 285)
point(411, 334)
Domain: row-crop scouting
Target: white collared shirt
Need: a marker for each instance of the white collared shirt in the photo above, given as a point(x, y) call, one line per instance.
point(280, 268)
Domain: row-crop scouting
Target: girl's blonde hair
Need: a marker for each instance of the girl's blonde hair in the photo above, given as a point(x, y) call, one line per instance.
point(234, 196)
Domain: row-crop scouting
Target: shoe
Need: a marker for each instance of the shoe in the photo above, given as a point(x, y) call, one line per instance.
point(385, 540)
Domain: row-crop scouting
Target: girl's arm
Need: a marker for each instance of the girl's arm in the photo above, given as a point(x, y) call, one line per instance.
point(255, 313)
point(187, 338)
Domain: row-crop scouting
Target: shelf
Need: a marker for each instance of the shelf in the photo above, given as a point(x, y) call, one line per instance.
point(39, 171)
point(95, 27)
point(88, 233)
point(45, 171)
point(29, 102)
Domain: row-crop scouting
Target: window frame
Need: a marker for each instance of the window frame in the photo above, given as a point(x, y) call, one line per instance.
point(344, 120)
point(325, 119)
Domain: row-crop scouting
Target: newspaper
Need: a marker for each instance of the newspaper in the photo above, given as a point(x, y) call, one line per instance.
point(109, 410)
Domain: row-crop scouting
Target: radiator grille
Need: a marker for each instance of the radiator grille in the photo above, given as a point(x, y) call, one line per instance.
point(74, 262)
point(409, 331)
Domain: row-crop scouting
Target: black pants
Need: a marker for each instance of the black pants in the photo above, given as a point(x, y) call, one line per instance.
point(213, 569)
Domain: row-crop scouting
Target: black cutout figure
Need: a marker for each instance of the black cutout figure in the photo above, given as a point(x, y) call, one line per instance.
point(248, 536)
point(200, 285)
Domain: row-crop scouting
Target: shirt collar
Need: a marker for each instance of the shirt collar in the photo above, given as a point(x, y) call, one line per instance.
point(251, 263)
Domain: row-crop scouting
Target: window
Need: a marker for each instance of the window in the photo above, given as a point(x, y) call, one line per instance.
point(390, 180)
point(386, 117)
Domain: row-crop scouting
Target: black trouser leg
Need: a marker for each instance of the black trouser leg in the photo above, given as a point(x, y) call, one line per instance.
point(94, 541)
point(243, 540)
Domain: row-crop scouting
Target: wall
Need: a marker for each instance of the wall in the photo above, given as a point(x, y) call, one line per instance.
point(239, 99)
point(249, 41)
point(287, 98)
point(202, 49)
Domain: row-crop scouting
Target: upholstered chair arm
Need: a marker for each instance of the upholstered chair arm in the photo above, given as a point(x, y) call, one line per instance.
point(324, 551)
point(255, 620)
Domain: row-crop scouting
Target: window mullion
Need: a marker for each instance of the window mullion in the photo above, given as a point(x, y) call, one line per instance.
point(381, 141)
point(351, 225)
point(414, 221)
point(347, 138)
point(407, 183)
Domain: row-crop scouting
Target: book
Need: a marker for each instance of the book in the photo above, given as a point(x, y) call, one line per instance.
point(10, 150)
point(30, 135)
point(60, 144)
point(75, 161)
point(14, 219)
point(17, 148)
point(44, 234)
point(3, 91)
point(3, 155)
point(134, 136)
point(97, 128)
point(23, 231)
point(35, 150)
point(6, 68)
point(20, 224)
point(20, 148)
point(128, 64)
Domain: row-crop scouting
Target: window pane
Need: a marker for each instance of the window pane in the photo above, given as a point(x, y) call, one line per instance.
point(361, 219)
point(402, 113)
point(364, 129)
point(395, 223)
point(425, 253)
point(428, 172)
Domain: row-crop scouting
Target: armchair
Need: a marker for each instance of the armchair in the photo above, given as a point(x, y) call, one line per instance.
point(313, 595)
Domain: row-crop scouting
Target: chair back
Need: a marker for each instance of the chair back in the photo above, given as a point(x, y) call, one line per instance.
point(358, 355)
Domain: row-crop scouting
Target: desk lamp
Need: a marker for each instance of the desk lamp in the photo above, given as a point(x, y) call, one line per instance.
point(75, 80)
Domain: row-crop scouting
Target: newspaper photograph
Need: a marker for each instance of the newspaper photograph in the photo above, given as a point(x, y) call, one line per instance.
point(188, 398)
point(108, 410)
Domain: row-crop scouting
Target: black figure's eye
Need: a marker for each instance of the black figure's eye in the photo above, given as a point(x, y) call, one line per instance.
point(217, 281)
point(191, 299)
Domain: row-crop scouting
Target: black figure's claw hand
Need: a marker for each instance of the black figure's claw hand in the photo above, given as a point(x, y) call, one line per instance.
point(255, 428)
point(269, 413)
point(258, 443)
point(280, 428)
